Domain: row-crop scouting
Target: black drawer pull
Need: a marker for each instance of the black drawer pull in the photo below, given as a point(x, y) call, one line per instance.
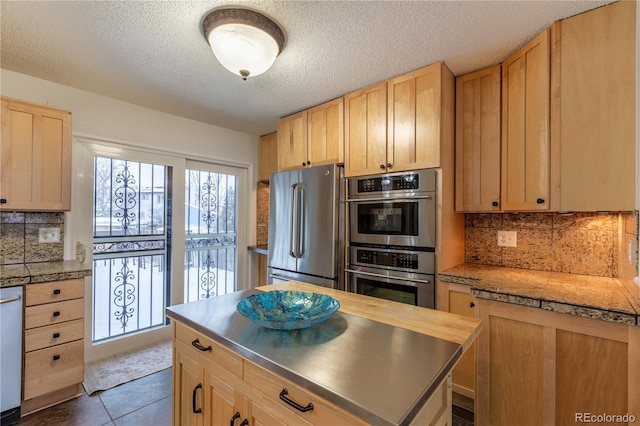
point(540, 201)
point(494, 203)
point(382, 166)
point(472, 305)
point(233, 419)
point(283, 396)
point(195, 391)
point(56, 291)
point(245, 422)
point(389, 166)
point(56, 357)
point(197, 344)
point(3, 201)
point(56, 335)
point(56, 314)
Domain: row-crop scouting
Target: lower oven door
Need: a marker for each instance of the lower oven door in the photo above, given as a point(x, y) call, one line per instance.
point(413, 289)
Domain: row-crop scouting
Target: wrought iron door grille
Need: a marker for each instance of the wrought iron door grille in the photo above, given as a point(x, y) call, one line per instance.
point(131, 246)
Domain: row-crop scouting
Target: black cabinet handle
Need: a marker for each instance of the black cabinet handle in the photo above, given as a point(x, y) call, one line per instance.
point(540, 201)
point(389, 166)
point(233, 419)
point(196, 343)
point(283, 396)
point(195, 391)
point(245, 422)
point(56, 291)
point(304, 164)
point(3, 201)
point(56, 335)
point(382, 166)
point(308, 163)
point(56, 357)
point(472, 305)
point(495, 204)
point(56, 314)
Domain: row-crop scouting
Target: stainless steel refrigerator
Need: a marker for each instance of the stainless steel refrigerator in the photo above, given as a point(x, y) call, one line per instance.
point(306, 226)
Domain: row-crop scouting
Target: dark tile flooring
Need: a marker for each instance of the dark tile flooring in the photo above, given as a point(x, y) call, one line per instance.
point(142, 402)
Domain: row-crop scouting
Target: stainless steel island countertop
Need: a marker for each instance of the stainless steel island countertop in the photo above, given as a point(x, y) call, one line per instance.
point(381, 373)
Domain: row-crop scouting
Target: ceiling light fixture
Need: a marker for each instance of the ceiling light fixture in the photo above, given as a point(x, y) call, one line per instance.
point(245, 42)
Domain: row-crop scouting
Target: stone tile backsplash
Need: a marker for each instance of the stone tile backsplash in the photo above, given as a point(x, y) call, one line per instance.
point(578, 243)
point(262, 214)
point(19, 235)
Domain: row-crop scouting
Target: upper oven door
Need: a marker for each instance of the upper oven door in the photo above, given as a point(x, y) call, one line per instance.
point(409, 222)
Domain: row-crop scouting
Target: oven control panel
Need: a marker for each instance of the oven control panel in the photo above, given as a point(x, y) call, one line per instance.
point(389, 183)
point(389, 259)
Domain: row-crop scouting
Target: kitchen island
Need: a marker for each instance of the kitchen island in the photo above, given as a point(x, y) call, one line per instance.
point(373, 362)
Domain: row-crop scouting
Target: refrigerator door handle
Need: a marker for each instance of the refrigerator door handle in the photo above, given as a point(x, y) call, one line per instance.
point(292, 218)
point(302, 214)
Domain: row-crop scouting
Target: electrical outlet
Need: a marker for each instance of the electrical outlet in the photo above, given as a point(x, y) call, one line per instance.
point(49, 235)
point(632, 252)
point(507, 238)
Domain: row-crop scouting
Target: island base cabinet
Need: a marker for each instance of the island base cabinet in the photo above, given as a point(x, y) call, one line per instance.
point(546, 368)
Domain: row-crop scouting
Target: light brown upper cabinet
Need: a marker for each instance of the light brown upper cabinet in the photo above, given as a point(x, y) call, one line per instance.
point(365, 142)
point(36, 157)
point(398, 125)
point(598, 109)
point(292, 141)
point(478, 141)
point(325, 133)
point(526, 147)
point(268, 156)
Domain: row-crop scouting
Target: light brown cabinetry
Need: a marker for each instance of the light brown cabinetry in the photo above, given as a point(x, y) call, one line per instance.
point(541, 367)
point(598, 109)
point(526, 149)
point(312, 137)
point(456, 299)
point(478, 141)
point(399, 124)
point(54, 343)
point(36, 157)
point(267, 156)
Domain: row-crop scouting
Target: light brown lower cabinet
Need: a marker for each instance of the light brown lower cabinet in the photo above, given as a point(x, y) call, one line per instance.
point(538, 367)
point(213, 385)
point(53, 343)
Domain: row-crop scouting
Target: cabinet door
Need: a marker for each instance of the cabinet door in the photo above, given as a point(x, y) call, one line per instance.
point(268, 156)
point(292, 141)
point(414, 119)
point(463, 376)
point(325, 133)
point(223, 403)
point(188, 386)
point(598, 109)
point(36, 157)
point(365, 142)
point(525, 126)
point(478, 141)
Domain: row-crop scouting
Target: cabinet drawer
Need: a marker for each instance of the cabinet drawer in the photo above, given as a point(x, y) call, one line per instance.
point(51, 335)
point(217, 353)
point(37, 294)
point(271, 385)
point(53, 313)
point(49, 369)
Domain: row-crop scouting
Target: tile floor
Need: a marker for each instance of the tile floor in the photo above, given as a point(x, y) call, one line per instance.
point(142, 402)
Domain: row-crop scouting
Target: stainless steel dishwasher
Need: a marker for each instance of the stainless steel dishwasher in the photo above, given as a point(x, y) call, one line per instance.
point(10, 354)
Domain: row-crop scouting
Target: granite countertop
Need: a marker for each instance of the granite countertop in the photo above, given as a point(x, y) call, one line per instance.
point(260, 249)
point(31, 273)
point(321, 358)
point(581, 295)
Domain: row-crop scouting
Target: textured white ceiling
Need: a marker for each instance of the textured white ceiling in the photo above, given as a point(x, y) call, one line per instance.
point(152, 53)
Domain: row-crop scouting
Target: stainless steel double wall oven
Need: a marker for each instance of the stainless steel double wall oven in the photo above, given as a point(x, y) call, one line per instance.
point(392, 236)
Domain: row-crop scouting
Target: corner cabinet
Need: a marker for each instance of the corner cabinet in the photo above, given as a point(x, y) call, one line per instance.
point(478, 141)
point(267, 156)
point(53, 343)
point(526, 148)
point(398, 125)
point(598, 109)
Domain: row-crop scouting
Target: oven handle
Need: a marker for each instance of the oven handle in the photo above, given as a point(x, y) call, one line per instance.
point(386, 276)
point(417, 197)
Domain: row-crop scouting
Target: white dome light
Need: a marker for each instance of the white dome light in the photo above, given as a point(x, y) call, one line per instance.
point(244, 42)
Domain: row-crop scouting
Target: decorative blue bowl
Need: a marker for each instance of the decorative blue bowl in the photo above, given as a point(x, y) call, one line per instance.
point(288, 309)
